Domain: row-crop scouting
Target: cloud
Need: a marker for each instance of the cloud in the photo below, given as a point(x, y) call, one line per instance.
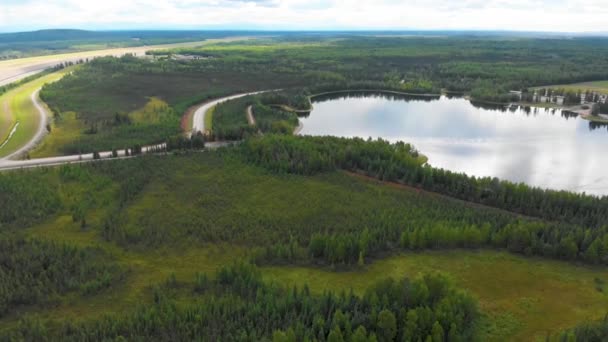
point(525, 15)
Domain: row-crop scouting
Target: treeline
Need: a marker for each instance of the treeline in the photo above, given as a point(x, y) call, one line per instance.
point(551, 240)
point(230, 119)
point(238, 305)
point(487, 68)
point(584, 238)
point(38, 272)
point(355, 86)
point(274, 120)
point(398, 163)
point(585, 332)
point(296, 99)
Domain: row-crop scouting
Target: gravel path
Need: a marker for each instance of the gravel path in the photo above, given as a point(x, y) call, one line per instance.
point(250, 117)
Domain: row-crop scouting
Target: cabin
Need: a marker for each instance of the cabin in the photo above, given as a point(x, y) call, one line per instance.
point(516, 93)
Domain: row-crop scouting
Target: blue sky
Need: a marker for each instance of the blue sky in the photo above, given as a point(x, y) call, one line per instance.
point(519, 15)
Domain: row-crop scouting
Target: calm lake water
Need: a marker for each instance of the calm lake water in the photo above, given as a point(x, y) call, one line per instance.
point(537, 146)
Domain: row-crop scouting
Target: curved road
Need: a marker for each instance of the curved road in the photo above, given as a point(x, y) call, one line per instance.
point(198, 125)
point(198, 121)
point(40, 132)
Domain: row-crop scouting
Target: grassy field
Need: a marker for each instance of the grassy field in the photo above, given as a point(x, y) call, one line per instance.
point(18, 107)
point(522, 299)
point(69, 130)
point(598, 86)
point(209, 120)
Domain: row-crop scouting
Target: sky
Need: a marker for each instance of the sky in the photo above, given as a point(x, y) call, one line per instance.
point(510, 15)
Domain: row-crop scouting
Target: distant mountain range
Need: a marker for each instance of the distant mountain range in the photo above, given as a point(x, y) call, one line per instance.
point(75, 34)
point(71, 34)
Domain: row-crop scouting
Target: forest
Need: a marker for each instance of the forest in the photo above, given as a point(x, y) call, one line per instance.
point(108, 89)
point(239, 306)
point(485, 67)
point(238, 243)
point(399, 163)
point(230, 120)
point(328, 219)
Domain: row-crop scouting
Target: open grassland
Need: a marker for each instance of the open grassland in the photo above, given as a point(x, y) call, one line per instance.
point(598, 86)
point(209, 119)
point(7, 120)
point(522, 299)
point(180, 215)
point(65, 131)
point(17, 106)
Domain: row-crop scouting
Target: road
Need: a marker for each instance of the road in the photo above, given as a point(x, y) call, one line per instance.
point(16, 69)
point(198, 121)
point(40, 131)
point(250, 117)
point(199, 124)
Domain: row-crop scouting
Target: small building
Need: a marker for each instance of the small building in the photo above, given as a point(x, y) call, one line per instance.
point(559, 100)
point(516, 93)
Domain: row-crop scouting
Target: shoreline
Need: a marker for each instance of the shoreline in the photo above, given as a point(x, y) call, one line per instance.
point(374, 91)
point(311, 97)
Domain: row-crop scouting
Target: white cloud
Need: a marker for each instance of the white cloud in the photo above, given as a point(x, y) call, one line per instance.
point(529, 15)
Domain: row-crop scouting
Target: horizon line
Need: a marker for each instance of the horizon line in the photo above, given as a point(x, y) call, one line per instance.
point(307, 30)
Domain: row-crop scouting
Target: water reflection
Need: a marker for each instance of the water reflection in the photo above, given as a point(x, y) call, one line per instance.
point(543, 147)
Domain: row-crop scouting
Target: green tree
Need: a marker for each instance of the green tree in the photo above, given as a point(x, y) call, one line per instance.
point(437, 332)
point(387, 325)
point(360, 335)
point(335, 335)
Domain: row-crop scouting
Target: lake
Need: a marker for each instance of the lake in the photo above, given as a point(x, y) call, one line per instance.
point(541, 147)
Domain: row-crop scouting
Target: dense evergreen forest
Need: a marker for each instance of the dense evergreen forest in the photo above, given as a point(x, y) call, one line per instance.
point(239, 306)
point(38, 272)
point(486, 67)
